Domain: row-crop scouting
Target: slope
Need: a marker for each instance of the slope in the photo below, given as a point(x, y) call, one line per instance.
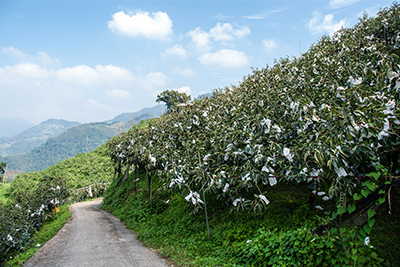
point(79, 139)
point(326, 124)
point(33, 137)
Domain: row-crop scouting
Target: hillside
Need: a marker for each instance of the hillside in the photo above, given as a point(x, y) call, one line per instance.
point(78, 139)
point(143, 114)
point(289, 168)
point(33, 137)
point(295, 166)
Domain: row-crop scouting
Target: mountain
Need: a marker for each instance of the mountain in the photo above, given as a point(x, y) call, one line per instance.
point(79, 139)
point(33, 137)
point(13, 126)
point(145, 113)
point(43, 146)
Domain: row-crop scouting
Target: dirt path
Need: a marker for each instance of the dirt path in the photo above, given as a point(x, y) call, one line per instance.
point(94, 238)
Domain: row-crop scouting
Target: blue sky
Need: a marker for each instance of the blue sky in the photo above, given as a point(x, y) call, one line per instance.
point(89, 61)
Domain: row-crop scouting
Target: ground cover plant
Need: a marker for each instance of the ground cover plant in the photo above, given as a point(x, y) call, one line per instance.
point(39, 238)
point(28, 213)
point(327, 120)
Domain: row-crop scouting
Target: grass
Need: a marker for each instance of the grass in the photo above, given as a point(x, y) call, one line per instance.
point(4, 193)
point(49, 230)
point(173, 230)
point(178, 234)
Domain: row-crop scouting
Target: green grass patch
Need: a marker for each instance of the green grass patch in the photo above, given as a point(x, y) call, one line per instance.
point(49, 230)
point(278, 235)
point(4, 193)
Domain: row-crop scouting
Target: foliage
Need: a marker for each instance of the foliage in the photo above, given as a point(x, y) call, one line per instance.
point(172, 99)
point(283, 235)
point(34, 196)
point(326, 119)
point(4, 193)
point(39, 238)
point(79, 171)
point(20, 219)
point(2, 167)
point(33, 137)
point(80, 139)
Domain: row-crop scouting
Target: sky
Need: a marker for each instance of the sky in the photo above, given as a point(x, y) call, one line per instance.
point(89, 61)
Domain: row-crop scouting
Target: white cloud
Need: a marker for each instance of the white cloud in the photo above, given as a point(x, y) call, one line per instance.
point(225, 58)
point(157, 78)
point(200, 38)
point(176, 50)
point(41, 56)
point(184, 89)
point(45, 59)
point(220, 32)
point(157, 26)
point(118, 94)
point(264, 14)
point(184, 72)
point(73, 93)
point(269, 45)
point(21, 71)
point(327, 25)
point(342, 3)
point(80, 75)
point(13, 52)
point(86, 75)
point(113, 73)
point(225, 32)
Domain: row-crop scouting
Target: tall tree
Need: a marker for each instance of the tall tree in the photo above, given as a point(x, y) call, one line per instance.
point(172, 99)
point(2, 169)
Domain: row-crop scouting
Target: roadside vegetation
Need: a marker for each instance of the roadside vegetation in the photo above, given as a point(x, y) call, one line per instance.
point(327, 122)
point(28, 206)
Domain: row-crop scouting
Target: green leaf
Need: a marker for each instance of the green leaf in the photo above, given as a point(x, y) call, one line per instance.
point(333, 231)
point(371, 222)
point(341, 210)
point(364, 192)
point(380, 201)
point(376, 175)
point(351, 208)
point(367, 228)
point(357, 196)
point(371, 213)
point(342, 230)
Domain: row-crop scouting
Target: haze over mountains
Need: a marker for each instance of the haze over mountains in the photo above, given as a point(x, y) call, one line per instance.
point(13, 126)
point(33, 137)
point(54, 140)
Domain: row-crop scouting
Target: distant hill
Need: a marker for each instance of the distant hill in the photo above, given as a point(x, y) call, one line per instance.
point(33, 137)
point(78, 139)
point(13, 126)
point(48, 148)
point(143, 114)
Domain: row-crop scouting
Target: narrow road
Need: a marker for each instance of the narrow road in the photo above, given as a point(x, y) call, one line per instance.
point(94, 238)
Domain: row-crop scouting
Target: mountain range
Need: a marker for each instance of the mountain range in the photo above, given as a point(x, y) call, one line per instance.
point(52, 141)
point(33, 137)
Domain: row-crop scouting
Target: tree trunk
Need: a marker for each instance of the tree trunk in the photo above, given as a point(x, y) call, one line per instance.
point(150, 182)
point(134, 181)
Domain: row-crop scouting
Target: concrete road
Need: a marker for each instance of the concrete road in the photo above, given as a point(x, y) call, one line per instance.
point(94, 238)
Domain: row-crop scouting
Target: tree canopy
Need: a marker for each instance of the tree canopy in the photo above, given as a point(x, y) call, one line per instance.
point(3, 167)
point(172, 99)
